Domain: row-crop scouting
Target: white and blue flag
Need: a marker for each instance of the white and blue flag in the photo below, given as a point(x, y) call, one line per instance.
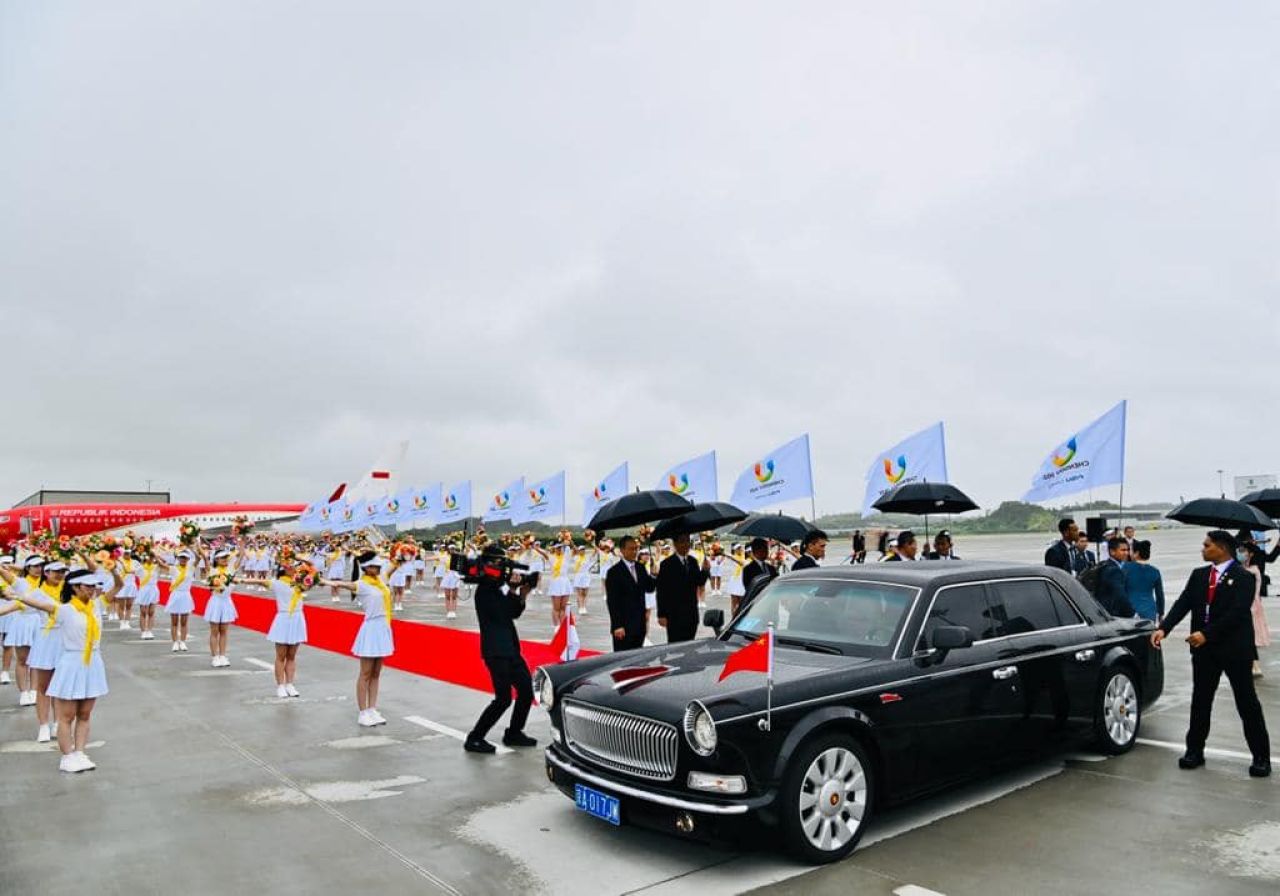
point(784, 474)
point(1088, 458)
point(542, 501)
point(917, 458)
point(424, 505)
point(613, 486)
point(694, 479)
point(455, 503)
point(504, 502)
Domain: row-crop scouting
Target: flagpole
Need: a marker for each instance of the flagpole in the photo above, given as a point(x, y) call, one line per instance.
point(766, 724)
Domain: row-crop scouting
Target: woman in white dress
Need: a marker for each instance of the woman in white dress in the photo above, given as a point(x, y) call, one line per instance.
point(80, 677)
point(6, 594)
point(441, 569)
point(335, 568)
point(373, 642)
point(400, 580)
point(148, 595)
point(220, 611)
point(46, 649)
point(560, 559)
point(20, 635)
point(181, 604)
point(584, 558)
point(289, 627)
point(128, 592)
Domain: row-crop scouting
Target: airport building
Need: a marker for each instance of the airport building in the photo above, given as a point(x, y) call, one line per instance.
point(46, 496)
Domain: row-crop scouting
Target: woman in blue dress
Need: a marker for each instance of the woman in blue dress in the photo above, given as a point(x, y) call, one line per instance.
point(1143, 584)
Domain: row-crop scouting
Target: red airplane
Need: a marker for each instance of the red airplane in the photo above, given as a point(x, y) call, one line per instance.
point(163, 520)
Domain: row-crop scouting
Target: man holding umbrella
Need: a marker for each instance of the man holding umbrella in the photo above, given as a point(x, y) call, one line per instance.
point(679, 578)
point(1219, 598)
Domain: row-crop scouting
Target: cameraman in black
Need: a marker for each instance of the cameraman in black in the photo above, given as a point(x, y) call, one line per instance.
point(497, 611)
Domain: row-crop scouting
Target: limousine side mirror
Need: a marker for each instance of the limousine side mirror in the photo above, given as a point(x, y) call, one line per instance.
point(951, 637)
point(714, 620)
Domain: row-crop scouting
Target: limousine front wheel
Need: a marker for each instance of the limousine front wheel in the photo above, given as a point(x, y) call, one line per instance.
point(827, 798)
point(1118, 713)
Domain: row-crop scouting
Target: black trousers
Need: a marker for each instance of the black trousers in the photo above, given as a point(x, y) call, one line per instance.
point(1206, 672)
point(507, 673)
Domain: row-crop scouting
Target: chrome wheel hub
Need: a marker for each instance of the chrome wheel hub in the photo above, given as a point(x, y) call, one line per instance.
point(833, 799)
point(1120, 709)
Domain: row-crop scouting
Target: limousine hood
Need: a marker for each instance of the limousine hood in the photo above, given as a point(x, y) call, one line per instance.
point(659, 682)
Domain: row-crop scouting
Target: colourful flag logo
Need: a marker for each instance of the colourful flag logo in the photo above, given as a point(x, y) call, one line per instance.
point(600, 491)
point(764, 471)
point(419, 502)
point(901, 468)
point(451, 502)
point(537, 496)
point(1062, 459)
point(679, 485)
point(501, 500)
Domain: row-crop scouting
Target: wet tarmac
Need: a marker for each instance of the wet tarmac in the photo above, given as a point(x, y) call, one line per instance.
point(207, 783)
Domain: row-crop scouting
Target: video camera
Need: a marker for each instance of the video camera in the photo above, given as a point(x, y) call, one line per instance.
point(488, 567)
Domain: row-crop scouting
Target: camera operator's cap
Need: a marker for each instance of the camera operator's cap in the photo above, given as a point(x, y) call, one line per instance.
point(56, 566)
point(33, 560)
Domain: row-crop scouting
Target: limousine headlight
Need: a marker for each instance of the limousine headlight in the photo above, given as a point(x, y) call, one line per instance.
point(699, 729)
point(543, 687)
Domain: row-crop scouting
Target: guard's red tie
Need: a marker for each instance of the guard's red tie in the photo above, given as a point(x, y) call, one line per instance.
point(1213, 582)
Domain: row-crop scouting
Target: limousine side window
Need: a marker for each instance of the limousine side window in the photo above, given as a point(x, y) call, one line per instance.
point(960, 605)
point(1024, 606)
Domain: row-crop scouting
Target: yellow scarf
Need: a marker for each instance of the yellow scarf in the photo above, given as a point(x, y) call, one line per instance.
point(558, 564)
point(578, 561)
point(375, 582)
point(148, 570)
point(179, 577)
point(297, 594)
point(92, 628)
point(55, 596)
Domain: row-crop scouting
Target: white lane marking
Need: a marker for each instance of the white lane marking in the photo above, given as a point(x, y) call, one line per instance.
point(1209, 751)
point(913, 890)
point(261, 664)
point(30, 746)
point(450, 732)
point(332, 792)
point(221, 673)
point(364, 742)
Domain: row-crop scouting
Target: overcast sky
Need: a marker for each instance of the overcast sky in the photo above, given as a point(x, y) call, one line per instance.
point(244, 246)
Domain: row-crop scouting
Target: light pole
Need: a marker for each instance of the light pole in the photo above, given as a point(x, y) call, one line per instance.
point(148, 486)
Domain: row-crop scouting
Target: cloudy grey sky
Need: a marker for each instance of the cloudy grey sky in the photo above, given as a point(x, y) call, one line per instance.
point(243, 246)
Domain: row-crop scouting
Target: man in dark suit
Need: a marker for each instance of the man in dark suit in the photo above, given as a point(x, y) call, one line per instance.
point(625, 586)
point(905, 549)
point(943, 548)
point(1059, 553)
point(1219, 599)
point(759, 566)
point(1112, 592)
point(812, 550)
point(679, 578)
point(497, 611)
point(1081, 557)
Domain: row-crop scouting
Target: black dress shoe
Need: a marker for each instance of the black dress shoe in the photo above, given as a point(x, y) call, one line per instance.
point(1191, 760)
point(478, 745)
point(518, 739)
point(1260, 769)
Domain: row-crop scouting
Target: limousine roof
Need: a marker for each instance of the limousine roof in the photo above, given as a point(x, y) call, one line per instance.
point(933, 572)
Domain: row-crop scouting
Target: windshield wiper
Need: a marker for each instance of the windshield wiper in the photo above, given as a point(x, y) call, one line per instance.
point(815, 646)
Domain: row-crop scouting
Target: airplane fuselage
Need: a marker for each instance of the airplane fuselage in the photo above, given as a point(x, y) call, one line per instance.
point(156, 520)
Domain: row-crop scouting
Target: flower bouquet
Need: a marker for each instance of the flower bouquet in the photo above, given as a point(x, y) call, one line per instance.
point(241, 526)
point(64, 548)
point(305, 576)
point(188, 532)
point(220, 579)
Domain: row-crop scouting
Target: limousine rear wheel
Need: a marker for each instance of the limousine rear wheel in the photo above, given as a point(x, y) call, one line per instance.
point(826, 798)
point(1118, 713)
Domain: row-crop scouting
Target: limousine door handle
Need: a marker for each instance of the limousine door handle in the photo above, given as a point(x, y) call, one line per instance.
point(1004, 672)
point(1083, 656)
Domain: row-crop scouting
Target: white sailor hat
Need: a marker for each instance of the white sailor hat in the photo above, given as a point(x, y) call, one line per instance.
point(55, 566)
point(375, 560)
point(83, 577)
point(185, 555)
point(7, 560)
point(33, 560)
point(217, 555)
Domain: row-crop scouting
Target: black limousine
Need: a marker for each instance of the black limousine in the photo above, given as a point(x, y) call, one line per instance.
point(889, 681)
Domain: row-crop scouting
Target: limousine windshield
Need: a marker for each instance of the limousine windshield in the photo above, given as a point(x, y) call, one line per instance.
point(847, 617)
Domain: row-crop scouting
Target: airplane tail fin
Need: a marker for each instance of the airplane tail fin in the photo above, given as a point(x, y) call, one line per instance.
point(384, 477)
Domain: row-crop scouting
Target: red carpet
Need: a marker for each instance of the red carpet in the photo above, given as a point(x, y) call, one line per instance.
point(434, 651)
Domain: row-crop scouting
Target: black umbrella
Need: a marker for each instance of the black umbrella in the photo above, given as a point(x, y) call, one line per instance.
point(775, 526)
point(1267, 500)
point(1220, 513)
point(639, 507)
point(703, 518)
point(924, 498)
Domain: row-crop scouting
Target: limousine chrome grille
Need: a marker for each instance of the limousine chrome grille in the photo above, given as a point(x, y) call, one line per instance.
point(638, 746)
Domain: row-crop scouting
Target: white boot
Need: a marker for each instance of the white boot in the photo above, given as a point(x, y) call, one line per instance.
point(291, 690)
point(4, 678)
point(365, 720)
point(182, 646)
point(281, 691)
point(175, 648)
point(42, 736)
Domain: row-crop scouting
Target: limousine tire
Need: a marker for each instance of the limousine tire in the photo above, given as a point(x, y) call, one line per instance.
point(826, 798)
point(1119, 713)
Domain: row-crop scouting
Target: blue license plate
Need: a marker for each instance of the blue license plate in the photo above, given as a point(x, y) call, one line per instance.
point(601, 805)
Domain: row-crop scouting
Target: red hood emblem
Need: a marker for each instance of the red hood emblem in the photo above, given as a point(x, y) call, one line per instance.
point(626, 679)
